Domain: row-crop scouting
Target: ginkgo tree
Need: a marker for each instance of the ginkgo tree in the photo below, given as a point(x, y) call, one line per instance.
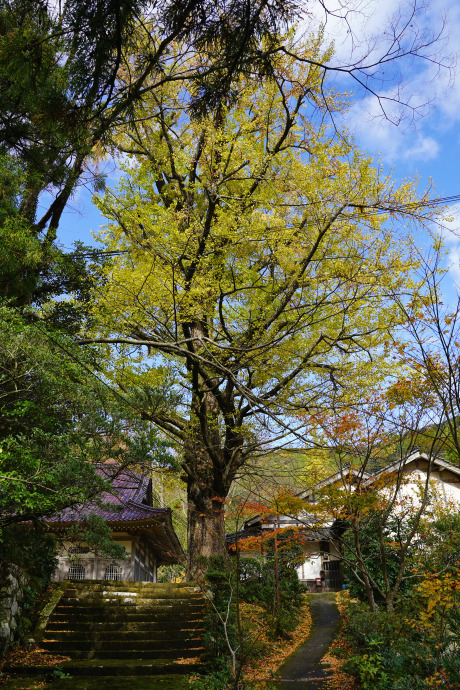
point(254, 253)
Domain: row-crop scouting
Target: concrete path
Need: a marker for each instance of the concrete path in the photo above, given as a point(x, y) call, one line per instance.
point(302, 670)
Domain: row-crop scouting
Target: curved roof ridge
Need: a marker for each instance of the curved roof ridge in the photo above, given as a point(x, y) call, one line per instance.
point(153, 509)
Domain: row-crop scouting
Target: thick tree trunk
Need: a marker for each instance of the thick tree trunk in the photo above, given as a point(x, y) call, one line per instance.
point(206, 526)
point(212, 454)
point(207, 487)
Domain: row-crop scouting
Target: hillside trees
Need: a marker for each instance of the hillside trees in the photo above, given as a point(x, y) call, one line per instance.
point(253, 265)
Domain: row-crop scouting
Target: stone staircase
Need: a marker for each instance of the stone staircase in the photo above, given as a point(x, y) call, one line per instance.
point(112, 628)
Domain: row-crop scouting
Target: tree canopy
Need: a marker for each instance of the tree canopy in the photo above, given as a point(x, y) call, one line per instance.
point(61, 88)
point(57, 421)
point(255, 255)
point(254, 261)
point(71, 72)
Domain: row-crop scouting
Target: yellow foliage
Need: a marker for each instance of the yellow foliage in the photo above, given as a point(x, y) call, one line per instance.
point(255, 256)
point(256, 233)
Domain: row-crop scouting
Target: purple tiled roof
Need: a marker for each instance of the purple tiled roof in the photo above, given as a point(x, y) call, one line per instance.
point(123, 504)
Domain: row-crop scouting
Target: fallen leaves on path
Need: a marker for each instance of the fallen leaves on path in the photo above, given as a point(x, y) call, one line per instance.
point(339, 679)
point(36, 657)
point(188, 660)
point(276, 651)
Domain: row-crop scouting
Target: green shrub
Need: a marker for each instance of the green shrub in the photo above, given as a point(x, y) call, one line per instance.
point(31, 549)
point(221, 580)
point(390, 653)
point(256, 585)
point(34, 552)
point(258, 580)
point(370, 549)
point(216, 680)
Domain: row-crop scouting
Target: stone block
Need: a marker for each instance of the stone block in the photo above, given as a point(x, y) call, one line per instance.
point(8, 590)
point(5, 617)
point(5, 604)
point(29, 644)
point(5, 636)
point(11, 581)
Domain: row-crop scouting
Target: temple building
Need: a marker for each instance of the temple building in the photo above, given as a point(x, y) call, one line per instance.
point(146, 533)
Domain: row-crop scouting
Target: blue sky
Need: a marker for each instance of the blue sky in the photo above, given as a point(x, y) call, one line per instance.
point(428, 145)
point(425, 143)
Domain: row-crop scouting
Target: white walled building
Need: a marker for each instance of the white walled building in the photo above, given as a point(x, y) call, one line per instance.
point(322, 545)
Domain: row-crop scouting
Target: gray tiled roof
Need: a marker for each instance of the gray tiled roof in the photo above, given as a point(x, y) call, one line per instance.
point(123, 504)
point(324, 534)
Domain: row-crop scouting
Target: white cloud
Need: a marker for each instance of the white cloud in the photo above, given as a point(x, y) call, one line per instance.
point(454, 265)
point(394, 142)
point(423, 148)
point(451, 235)
point(426, 87)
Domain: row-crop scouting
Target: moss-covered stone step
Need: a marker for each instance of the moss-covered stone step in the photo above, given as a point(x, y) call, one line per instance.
point(151, 592)
point(130, 604)
point(127, 636)
point(140, 593)
point(126, 586)
point(96, 683)
point(136, 629)
point(121, 667)
point(133, 654)
point(128, 609)
point(96, 627)
point(113, 667)
point(178, 617)
point(169, 656)
point(72, 646)
point(128, 615)
point(125, 623)
point(148, 588)
point(133, 602)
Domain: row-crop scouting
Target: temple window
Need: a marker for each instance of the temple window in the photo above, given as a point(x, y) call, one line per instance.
point(76, 572)
point(113, 572)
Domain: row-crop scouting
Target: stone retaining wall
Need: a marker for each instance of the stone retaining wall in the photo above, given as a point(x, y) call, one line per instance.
point(12, 584)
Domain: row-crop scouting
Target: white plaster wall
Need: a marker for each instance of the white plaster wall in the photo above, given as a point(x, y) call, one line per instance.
point(444, 488)
point(311, 568)
point(450, 489)
point(94, 567)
